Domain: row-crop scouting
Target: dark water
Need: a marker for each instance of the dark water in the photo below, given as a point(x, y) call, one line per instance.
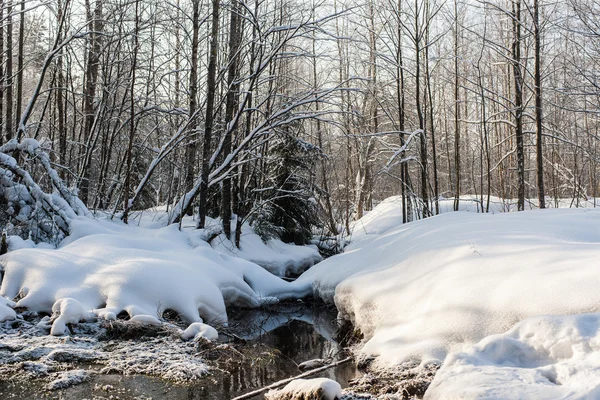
point(276, 342)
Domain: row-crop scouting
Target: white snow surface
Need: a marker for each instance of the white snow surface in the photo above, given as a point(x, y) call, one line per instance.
point(109, 267)
point(307, 388)
point(198, 330)
point(421, 290)
point(277, 257)
point(543, 357)
point(69, 311)
point(6, 309)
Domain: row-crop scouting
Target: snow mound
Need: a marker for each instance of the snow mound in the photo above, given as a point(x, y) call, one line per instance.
point(545, 357)
point(109, 267)
point(279, 258)
point(145, 320)
point(302, 389)
point(199, 329)
point(388, 213)
point(420, 290)
point(69, 311)
point(6, 309)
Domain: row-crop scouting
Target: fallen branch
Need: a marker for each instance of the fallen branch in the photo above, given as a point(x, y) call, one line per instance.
point(288, 380)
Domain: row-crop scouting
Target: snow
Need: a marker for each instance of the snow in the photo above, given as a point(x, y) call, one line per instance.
point(279, 258)
point(109, 267)
point(6, 309)
point(542, 357)
point(67, 379)
point(145, 319)
point(312, 364)
point(388, 213)
point(318, 388)
point(421, 290)
point(27, 351)
point(198, 330)
point(69, 311)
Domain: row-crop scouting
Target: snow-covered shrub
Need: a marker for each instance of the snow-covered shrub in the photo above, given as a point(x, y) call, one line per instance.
point(287, 209)
point(35, 201)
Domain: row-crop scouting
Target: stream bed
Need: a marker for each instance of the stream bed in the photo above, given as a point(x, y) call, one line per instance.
point(269, 345)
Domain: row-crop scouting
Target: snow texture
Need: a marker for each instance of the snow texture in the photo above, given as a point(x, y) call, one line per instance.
point(304, 389)
point(67, 379)
point(69, 311)
point(544, 357)
point(110, 267)
point(6, 309)
point(28, 352)
point(420, 290)
point(279, 258)
point(198, 330)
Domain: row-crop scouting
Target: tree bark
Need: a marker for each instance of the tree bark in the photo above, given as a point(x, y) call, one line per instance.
point(231, 102)
point(126, 184)
point(211, 89)
point(456, 112)
point(518, 86)
point(95, 26)
point(9, 73)
point(20, 50)
point(538, 107)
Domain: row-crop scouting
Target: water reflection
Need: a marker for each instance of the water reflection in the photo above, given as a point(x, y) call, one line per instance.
point(298, 334)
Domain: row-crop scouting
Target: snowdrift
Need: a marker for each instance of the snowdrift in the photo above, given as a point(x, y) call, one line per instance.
point(106, 268)
point(279, 258)
point(421, 290)
point(545, 357)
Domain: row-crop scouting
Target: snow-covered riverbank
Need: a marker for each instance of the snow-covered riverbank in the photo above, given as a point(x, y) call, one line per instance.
point(429, 291)
point(495, 299)
point(107, 268)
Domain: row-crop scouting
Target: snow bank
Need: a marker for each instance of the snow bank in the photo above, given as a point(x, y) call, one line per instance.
point(388, 213)
point(420, 290)
point(279, 258)
point(545, 357)
point(300, 389)
point(110, 267)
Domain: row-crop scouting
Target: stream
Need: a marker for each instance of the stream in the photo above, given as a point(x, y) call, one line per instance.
point(274, 343)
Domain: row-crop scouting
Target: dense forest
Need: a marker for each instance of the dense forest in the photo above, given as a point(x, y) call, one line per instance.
point(293, 116)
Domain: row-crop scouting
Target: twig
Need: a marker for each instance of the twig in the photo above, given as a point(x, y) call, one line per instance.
point(288, 380)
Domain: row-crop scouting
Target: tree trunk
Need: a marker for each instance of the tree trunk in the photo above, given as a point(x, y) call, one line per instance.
point(518, 83)
point(235, 37)
point(190, 149)
point(456, 112)
point(126, 184)
point(211, 89)
point(20, 65)
point(538, 107)
point(423, 136)
point(95, 25)
point(9, 73)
